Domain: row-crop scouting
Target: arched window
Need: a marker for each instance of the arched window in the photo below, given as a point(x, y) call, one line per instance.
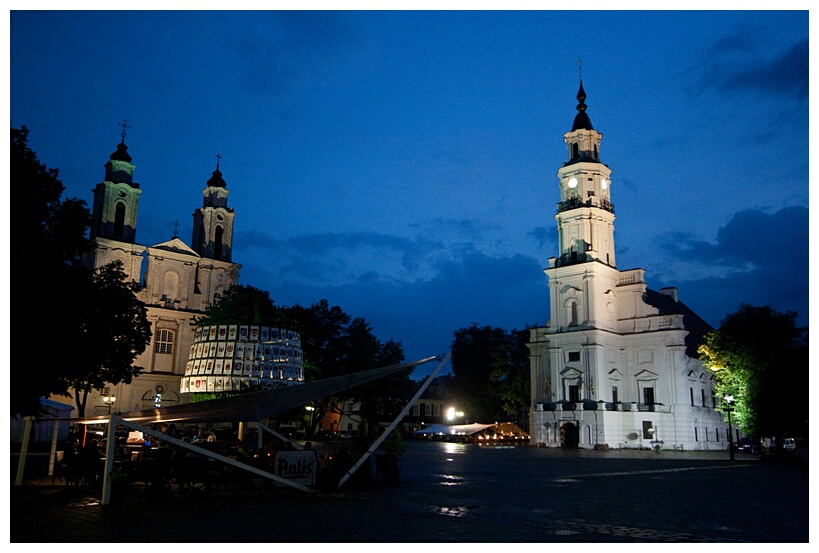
point(575, 150)
point(572, 312)
point(217, 243)
point(170, 286)
point(164, 341)
point(119, 219)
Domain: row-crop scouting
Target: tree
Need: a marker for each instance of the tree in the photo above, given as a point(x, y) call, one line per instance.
point(110, 329)
point(51, 283)
point(242, 305)
point(333, 344)
point(491, 370)
point(759, 356)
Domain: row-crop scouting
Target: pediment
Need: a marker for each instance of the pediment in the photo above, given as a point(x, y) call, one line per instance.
point(646, 375)
point(614, 374)
point(175, 245)
point(571, 373)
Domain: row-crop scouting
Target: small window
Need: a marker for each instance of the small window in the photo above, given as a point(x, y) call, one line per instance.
point(696, 436)
point(164, 341)
point(574, 356)
point(691, 393)
point(574, 393)
point(702, 394)
point(648, 396)
point(648, 430)
point(614, 397)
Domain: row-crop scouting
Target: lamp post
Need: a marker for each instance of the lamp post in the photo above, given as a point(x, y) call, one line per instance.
point(728, 407)
point(109, 401)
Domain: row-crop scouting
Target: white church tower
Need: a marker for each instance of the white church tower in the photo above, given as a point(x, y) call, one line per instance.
point(616, 366)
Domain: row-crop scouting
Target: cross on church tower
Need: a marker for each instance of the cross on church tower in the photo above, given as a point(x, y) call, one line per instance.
point(175, 229)
point(580, 67)
point(124, 126)
point(218, 159)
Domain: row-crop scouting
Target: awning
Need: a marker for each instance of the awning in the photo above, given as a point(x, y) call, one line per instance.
point(258, 406)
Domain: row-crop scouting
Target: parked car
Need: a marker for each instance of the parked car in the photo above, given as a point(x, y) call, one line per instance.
point(788, 444)
point(749, 445)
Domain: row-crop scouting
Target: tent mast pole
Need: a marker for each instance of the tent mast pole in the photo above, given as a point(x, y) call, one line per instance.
point(392, 426)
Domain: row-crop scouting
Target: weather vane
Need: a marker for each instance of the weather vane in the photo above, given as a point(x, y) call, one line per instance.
point(124, 126)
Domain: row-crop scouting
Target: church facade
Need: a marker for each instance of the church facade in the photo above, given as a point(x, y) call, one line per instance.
point(179, 281)
point(616, 366)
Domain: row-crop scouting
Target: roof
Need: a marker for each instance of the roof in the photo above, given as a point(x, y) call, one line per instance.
point(693, 323)
point(581, 120)
point(258, 406)
point(505, 428)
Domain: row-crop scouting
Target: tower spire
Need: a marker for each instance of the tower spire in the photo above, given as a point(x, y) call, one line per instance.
point(581, 120)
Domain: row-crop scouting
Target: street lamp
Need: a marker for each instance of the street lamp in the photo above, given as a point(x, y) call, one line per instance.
point(109, 401)
point(728, 407)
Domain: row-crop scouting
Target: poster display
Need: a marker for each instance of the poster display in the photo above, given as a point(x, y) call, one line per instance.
point(235, 357)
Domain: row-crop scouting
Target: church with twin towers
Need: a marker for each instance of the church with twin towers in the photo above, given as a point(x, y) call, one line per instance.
point(180, 281)
point(616, 365)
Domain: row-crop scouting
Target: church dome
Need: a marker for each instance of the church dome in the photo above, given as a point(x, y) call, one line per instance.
point(122, 153)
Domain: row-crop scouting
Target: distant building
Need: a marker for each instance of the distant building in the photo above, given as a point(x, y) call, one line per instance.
point(179, 281)
point(617, 363)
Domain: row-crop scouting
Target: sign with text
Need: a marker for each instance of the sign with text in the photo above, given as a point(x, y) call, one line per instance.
point(297, 466)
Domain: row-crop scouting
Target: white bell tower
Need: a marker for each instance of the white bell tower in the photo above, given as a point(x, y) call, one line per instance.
point(585, 214)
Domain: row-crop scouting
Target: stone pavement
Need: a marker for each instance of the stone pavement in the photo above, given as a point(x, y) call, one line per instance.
point(456, 493)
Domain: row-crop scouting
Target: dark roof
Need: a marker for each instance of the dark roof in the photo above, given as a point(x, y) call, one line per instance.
point(217, 180)
point(693, 323)
point(581, 120)
point(122, 153)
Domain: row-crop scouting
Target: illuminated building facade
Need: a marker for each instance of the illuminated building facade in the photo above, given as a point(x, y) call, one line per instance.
point(179, 281)
point(616, 365)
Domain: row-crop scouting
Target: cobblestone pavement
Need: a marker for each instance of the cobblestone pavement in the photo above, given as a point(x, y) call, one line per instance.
point(456, 493)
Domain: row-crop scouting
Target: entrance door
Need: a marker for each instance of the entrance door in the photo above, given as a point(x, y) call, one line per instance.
point(569, 435)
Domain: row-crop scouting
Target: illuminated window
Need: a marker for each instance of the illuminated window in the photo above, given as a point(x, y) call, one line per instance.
point(164, 341)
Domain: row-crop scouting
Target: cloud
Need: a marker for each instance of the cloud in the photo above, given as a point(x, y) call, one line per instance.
point(423, 314)
point(287, 51)
point(756, 259)
point(751, 236)
point(735, 64)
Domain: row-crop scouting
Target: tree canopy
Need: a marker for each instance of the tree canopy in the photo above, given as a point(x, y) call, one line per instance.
point(333, 343)
point(759, 358)
point(491, 369)
point(81, 312)
point(111, 330)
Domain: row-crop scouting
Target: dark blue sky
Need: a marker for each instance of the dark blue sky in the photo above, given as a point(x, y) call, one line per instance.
point(402, 165)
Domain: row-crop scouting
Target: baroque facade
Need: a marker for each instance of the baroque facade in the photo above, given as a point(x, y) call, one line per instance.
point(616, 365)
point(179, 281)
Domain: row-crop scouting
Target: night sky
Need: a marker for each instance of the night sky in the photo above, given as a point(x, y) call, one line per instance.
point(402, 165)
